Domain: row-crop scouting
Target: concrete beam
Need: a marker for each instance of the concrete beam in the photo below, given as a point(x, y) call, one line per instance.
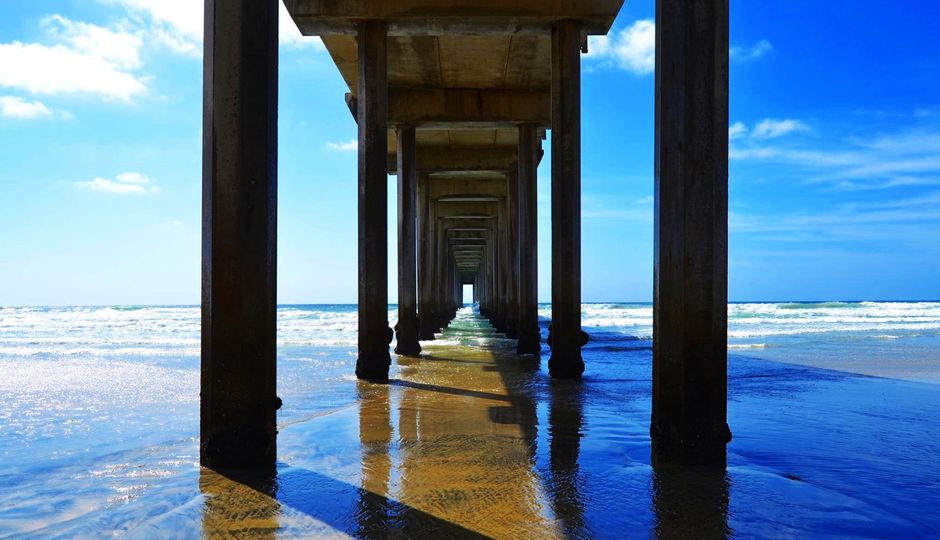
point(444, 107)
point(449, 108)
point(476, 17)
point(460, 158)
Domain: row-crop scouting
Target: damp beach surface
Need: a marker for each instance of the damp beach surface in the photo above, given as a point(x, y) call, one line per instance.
point(99, 425)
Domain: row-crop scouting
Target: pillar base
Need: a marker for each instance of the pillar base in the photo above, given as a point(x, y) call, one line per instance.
point(529, 343)
point(566, 365)
point(704, 449)
point(373, 364)
point(250, 447)
point(374, 369)
point(426, 325)
point(407, 334)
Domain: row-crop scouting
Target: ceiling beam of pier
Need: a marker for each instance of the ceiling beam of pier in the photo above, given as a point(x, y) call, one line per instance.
point(445, 17)
point(439, 156)
point(451, 108)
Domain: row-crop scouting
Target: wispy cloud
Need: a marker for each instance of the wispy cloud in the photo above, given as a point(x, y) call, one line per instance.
point(890, 222)
point(633, 49)
point(737, 130)
point(349, 146)
point(128, 183)
point(19, 108)
point(768, 128)
point(771, 129)
point(908, 158)
point(117, 46)
point(606, 207)
point(758, 50)
point(178, 24)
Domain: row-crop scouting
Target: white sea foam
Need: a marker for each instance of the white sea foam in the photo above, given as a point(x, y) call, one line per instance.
point(165, 331)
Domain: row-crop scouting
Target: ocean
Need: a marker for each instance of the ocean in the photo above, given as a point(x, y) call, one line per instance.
point(99, 406)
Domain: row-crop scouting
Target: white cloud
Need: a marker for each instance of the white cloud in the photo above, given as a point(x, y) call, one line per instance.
point(888, 161)
point(771, 129)
point(85, 59)
point(178, 24)
point(128, 183)
point(118, 47)
point(290, 35)
point(737, 130)
point(14, 107)
point(759, 49)
point(633, 49)
point(349, 146)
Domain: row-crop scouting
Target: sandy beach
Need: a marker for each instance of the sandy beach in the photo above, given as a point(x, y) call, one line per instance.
point(468, 441)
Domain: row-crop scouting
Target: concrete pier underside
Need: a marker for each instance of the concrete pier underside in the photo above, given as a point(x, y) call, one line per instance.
point(456, 99)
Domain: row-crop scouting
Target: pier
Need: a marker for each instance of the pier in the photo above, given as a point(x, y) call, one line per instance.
point(456, 100)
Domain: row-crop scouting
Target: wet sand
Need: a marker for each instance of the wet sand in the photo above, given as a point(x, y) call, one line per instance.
point(471, 441)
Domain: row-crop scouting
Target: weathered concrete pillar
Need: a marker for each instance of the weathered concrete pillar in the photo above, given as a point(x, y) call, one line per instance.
point(407, 327)
point(425, 259)
point(374, 333)
point(440, 277)
point(690, 355)
point(239, 235)
point(566, 335)
point(499, 275)
point(530, 338)
point(512, 239)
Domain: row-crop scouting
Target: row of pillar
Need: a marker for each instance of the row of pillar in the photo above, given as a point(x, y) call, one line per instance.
point(238, 400)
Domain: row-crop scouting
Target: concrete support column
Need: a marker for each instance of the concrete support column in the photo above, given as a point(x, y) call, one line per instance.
point(530, 338)
point(500, 275)
point(239, 235)
point(566, 335)
point(439, 277)
point(374, 334)
point(407, 327)
point(512, 238)
point(425, 259)
point(690, 355)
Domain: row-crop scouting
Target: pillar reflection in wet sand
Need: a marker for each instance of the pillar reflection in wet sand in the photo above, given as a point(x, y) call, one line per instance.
point(373, 512)
point(244, 505)
point(690, 502)
point(565, 424)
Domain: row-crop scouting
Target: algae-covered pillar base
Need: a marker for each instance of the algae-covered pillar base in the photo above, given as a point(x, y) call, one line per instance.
point(407, 327)
point(566, 335)
point(238, 403)
point(530, 338)
point(690, 355)
point(372, 101)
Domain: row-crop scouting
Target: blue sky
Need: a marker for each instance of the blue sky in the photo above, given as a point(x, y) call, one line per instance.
point(835, 156)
